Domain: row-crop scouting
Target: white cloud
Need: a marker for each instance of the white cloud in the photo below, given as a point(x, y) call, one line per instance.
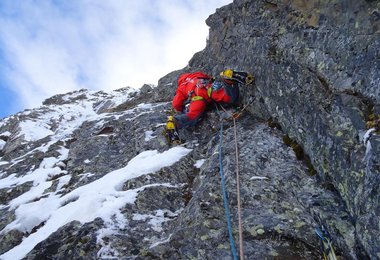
point(57, 46)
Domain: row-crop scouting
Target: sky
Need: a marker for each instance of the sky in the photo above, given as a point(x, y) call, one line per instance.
point(50, 47)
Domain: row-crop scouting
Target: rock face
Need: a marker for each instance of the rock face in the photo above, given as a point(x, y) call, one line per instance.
point(302, 161)
point(317, 68)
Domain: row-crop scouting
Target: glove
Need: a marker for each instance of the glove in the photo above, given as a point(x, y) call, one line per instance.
point(216, 85)
point(249, 79)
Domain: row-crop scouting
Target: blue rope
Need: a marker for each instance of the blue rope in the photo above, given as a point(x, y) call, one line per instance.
point(228, 217)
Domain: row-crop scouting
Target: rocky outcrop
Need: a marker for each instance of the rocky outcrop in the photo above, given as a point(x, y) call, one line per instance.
point(317, 71)
point(301, 153)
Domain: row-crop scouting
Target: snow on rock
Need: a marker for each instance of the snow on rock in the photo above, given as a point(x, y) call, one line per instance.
point(156, 220)
point(198, 164)
point(2, 144)
point(101, 198)
point(149, 135)
point(62, 119)
point(6, 134)
point(34, 130)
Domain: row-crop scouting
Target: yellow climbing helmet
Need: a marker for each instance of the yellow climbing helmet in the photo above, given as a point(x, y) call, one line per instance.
point(238, 76)
point(227, 74)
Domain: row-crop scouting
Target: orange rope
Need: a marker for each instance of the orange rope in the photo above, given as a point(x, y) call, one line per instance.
point(237, 185)
point(238, 193)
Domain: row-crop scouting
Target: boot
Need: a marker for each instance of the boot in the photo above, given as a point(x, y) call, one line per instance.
point(171, 131)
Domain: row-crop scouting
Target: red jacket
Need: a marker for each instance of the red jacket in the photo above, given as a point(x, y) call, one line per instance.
point(191, 85)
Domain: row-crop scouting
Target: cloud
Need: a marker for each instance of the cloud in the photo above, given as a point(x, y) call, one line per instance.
point(54, 47)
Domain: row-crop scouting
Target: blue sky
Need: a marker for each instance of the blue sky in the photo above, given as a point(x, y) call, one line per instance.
point(50, 46)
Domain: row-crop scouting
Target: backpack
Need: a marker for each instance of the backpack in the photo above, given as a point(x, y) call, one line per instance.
point(186, 78)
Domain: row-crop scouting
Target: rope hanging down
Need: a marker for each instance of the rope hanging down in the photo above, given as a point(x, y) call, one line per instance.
point(237, 187)
point(238, 191)
point(226, 210)
point(326, 244)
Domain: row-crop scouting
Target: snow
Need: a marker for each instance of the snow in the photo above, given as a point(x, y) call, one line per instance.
point(258, 178)
point(144, 106)
point(368, 152)
point(149, 135)
point(2, 144)
point(34, 130)
point(102, 198)
point(198, 164)
point(368, 135)
point(62, 120)
point(161, 242)
point(6, 133)
point(63, 181)
point(156, 221)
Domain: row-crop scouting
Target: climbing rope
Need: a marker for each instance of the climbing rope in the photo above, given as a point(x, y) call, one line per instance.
point(238, 191)
point(226, 210)
point(327, 249)
point(237, 181)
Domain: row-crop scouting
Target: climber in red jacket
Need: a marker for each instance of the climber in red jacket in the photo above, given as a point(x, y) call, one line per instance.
point(199, 89)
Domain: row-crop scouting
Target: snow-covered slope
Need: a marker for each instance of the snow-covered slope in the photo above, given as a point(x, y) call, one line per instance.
point(47, 205)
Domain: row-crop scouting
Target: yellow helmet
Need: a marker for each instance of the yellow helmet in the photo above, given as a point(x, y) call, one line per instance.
point(227, 73)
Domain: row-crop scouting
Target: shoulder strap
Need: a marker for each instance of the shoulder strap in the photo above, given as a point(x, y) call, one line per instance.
point(191, 77)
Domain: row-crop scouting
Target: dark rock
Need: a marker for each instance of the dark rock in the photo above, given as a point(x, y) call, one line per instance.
point(145, 89)
point(72, 241)
point(9, 240)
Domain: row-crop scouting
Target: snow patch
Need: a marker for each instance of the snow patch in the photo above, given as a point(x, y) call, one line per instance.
point(2, 144)
point(6, 133)
point(3, 163)
point(63, 181)
point(156, 221)
point(34, 130)
point(367, 144)
point(149, 135)
point(161, 242)
point(102, 198)
point(198, 164)
point(144, 106)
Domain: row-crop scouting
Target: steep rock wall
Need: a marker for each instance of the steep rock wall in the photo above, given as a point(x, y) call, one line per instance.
point(317, 68)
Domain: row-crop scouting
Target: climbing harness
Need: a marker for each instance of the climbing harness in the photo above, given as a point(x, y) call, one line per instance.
point(326, 244)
